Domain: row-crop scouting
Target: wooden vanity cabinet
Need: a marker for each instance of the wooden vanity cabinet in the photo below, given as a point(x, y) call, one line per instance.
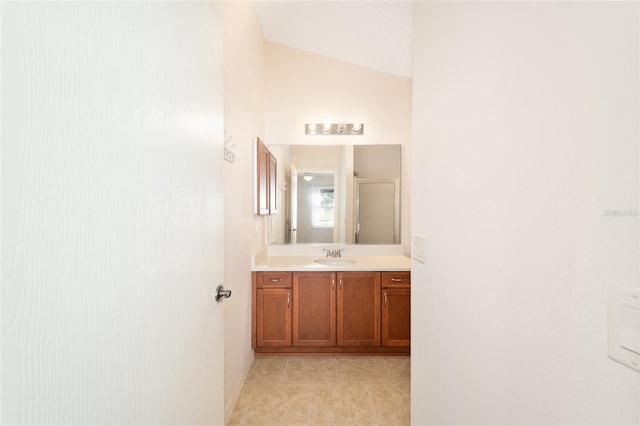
point(336, 309)
point(358, 298)
point(331, 312)
point(396, 309)
point(314, 309)
point(273, 304)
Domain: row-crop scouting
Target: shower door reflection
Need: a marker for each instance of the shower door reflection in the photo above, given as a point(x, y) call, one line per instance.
point(378, 211)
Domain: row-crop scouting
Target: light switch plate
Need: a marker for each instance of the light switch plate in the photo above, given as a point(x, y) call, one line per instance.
point(417, 248)
point(623, 325)
point(630, 328)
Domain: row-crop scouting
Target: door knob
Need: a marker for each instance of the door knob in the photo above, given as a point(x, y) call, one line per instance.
point(222, 293)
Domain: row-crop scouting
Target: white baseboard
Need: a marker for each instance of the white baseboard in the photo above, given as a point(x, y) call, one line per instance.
point(228, 407)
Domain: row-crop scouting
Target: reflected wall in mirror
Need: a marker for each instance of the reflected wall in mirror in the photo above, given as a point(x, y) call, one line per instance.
point(338, 194)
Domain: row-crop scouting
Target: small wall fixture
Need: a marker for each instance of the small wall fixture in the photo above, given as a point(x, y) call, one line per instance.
point(334, 129)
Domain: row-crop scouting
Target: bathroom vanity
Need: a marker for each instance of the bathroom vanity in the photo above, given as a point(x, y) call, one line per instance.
point(316, 304)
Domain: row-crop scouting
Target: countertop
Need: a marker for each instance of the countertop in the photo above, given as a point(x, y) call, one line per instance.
point(306, 263)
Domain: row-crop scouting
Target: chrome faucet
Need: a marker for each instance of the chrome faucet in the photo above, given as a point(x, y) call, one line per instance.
point(333, 253)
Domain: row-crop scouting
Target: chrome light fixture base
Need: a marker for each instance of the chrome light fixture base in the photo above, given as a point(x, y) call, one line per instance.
point(326, 129)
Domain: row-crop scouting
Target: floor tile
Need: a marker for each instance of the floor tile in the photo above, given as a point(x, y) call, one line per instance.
point(362, 369)
point(311, 369)
point(391, 402)
point(399, 367)
point(326, 390)
point(267, 369)
point(337, 403)
point(273, 404)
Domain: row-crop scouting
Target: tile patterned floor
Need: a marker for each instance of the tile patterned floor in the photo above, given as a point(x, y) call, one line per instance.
point(325, 390)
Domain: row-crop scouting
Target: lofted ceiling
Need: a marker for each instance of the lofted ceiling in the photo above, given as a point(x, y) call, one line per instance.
point(376, 34)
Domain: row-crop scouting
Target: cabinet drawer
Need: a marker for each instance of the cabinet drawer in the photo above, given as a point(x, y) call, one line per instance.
point(401, 279)
point(273, 280)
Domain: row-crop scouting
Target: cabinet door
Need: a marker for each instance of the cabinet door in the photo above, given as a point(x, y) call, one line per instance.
point(358, 308)
point(314, 309)
point(261, 178)
point(273, 317)
point(396, 317)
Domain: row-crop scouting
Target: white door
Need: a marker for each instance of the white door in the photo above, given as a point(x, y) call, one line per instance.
point(112, 216)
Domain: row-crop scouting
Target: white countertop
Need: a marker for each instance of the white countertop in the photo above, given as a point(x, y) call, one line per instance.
point(306, 263)
point(301, 258)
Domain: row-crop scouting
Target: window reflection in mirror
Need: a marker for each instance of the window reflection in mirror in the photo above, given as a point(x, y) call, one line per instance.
point(316, 216)
point(320, 193)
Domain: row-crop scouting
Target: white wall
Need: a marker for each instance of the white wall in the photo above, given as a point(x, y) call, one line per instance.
point(244, 232)
point(525, 122)
point(377, 161)
point(303, 87)
point(111, 213)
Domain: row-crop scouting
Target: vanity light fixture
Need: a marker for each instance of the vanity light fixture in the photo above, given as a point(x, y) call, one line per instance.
point(334, 129)
point(307, 177)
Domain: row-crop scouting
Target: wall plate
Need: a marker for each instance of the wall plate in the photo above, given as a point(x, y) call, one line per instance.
point(623, 325)
point(417, 249)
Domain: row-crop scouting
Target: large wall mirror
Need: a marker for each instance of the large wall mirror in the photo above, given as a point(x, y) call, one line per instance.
point(338, 194)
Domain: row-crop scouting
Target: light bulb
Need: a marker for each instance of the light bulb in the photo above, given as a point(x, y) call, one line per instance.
point(311, 129)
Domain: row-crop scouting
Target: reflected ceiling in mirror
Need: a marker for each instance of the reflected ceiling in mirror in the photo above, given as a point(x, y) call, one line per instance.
point(337, 194)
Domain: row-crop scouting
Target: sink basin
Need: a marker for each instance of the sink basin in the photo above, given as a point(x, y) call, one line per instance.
point(333, 261)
